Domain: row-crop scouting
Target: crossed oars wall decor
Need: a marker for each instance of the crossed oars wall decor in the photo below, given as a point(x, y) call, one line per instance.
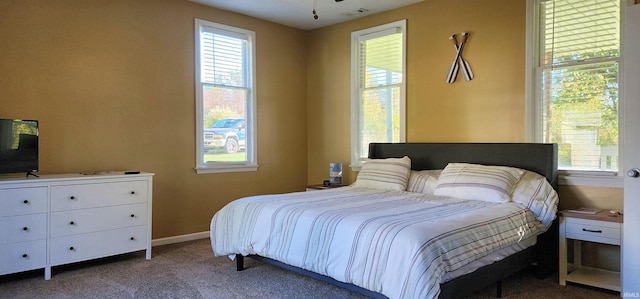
point(459, 62)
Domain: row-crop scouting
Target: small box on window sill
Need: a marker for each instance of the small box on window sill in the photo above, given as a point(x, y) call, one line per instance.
point(322, 187)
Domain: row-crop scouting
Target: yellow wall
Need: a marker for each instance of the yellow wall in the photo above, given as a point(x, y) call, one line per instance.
point(112, 83)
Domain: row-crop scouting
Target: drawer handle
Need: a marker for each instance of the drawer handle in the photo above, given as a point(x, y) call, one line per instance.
point(72, 248)
point(591, 231)
point(25, 255)
point(133, 215)
point(132, 238)
point(133, 192)
point(72, 197)
point(25, 228)
point(72, 223)
point(26, 202)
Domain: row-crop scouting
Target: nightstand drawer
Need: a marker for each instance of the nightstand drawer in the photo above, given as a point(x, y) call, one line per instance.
point(594, 231)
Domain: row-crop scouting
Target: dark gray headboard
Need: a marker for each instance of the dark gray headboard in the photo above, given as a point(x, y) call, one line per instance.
point(538, 157)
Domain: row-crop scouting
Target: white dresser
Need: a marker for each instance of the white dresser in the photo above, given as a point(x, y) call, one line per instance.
point(60, 219)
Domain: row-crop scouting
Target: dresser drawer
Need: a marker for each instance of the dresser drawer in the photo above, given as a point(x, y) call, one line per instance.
point(593, 230)
point(99, 244)
point(75, 222)
point(23, 228)
point(23, 256)
point(85, 196)
point(23, 201)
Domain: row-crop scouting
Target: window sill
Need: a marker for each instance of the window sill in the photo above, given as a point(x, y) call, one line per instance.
point(594, 180)
point(356, 167)
point(225, 168)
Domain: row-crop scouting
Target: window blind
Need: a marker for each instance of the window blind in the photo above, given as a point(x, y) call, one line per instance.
point(381, 60)
point(223, 59)
point(576, 30)
point(578, 75)
point(380, 79)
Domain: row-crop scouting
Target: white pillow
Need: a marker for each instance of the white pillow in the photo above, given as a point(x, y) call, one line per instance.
point(423, 181)
point(534, 192)
point(478, 182)
point(385, 174)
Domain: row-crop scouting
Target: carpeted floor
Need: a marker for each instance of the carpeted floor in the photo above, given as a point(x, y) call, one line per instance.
point(189, 270)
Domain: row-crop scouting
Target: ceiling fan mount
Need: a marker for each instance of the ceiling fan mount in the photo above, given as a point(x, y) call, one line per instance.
point(315, 5)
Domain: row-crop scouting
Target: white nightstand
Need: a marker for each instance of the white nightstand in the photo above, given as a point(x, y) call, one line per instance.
point(322, 187)
point(599, 228)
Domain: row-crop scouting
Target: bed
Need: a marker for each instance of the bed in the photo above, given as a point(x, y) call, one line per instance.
point(385, 242)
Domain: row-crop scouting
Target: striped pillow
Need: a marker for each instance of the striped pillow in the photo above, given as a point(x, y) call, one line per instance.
point(534, 192)
point(423, 181)
point(385, 174)
point(478, 182)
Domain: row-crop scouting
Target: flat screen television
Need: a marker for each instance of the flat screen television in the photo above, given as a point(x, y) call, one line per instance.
point(18, 146)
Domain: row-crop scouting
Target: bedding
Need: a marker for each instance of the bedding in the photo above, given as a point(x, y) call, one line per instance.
point(536, 194)
point(397, 243)
point(494, 256)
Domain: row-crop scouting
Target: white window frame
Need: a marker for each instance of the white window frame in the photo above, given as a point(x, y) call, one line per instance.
point(251, 163)
point(532, 105)
point(356, 37)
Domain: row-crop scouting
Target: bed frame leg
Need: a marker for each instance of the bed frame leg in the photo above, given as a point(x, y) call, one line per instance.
point(239, 262)
point(499, 289)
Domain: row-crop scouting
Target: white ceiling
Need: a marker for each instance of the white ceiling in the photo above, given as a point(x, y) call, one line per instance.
point(299, 13)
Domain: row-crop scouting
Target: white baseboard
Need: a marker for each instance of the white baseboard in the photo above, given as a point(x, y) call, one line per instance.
point(181, 238)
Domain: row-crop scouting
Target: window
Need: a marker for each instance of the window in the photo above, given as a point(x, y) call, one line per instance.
point(225, 98)
point(576, 54)
point(378, 88)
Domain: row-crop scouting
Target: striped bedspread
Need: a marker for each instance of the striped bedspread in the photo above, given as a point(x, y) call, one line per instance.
point(396, 243)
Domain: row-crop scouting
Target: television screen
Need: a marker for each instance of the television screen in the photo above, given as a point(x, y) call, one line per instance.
point(18, 145)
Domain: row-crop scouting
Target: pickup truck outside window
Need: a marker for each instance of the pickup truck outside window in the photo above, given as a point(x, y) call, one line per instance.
point(225, 136)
